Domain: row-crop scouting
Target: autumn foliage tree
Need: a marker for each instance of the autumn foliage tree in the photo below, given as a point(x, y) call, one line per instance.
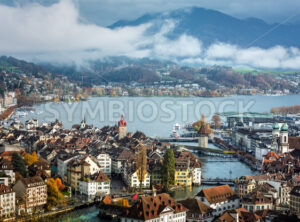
point(54, 194)
point(31, 158)
point(197, 125)
point(60, 185)
point(141, 164)
point(217, 121)
point(284, 110)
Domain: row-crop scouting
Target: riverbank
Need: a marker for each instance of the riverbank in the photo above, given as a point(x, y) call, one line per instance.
point(247, 158)
point(49, 214)
point(6, 114)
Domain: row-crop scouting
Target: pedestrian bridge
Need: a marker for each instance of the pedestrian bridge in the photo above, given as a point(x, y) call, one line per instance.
point(217, 181)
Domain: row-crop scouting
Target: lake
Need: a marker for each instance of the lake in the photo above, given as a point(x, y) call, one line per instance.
point(155, 116)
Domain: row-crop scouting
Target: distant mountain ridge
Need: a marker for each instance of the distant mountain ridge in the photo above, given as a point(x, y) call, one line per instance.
point(212, 26)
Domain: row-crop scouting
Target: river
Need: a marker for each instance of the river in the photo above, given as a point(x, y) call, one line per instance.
point(152, 119)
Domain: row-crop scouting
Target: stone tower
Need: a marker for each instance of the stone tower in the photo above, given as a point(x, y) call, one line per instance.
point(122, 128)
point(203, 136)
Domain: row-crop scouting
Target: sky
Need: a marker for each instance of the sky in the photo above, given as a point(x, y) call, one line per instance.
point(106, 12)
point(74, 31)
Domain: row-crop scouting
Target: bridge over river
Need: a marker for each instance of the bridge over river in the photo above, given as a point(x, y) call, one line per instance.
point(217, 181)
point(208, 151)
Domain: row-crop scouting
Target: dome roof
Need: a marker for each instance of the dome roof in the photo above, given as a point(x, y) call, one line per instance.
point(275, 126)
point(284, 127)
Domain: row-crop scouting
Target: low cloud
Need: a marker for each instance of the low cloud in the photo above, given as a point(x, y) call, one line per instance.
point(232, 55)
point(57, 34)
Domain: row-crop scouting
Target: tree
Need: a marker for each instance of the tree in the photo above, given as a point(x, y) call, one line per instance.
point(197, 125)
point(217, 121)
point(141, 164)
point(54, 195)
point(31, 158)
point(60, 185)
point(168, 170)
point(19, 164)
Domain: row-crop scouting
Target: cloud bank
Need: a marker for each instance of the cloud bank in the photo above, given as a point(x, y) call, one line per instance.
point(56, 33)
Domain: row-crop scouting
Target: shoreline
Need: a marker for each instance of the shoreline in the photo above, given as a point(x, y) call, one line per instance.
point(50, 214)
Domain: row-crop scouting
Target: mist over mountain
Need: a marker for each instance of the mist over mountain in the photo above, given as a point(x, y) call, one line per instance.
point(189, 36)
point(210, 26)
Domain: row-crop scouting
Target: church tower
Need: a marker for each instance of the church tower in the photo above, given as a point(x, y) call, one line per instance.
point(284, 138)
point(83, 124)
point(122, 128)
point(275, 130)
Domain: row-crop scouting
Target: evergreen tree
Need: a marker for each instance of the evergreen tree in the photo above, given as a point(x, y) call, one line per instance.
point(168, 170)
point(19, 164)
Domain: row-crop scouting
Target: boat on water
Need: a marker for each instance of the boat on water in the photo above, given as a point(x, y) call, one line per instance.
point(40, 112)
point(21, 113)
point(183, 131)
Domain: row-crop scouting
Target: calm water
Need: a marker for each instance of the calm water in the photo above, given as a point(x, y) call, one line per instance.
point(159, 126)
point(153, 115)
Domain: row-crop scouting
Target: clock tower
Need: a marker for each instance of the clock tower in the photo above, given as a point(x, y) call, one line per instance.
point(122, 128)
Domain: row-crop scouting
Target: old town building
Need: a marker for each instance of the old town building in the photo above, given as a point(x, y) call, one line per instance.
point(33, 191)
point(155, 208)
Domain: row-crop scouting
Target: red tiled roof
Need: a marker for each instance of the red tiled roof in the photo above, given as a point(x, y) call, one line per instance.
point(196, 206)
point(150, 207)
point(294, 143)
point(217, 194)
point(5, 189)
point(101, 177)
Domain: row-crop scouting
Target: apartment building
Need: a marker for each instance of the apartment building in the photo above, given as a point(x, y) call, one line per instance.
point(7, 202)
point(33, 191)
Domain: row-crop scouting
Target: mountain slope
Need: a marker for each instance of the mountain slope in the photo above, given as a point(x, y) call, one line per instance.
point(211, 26)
